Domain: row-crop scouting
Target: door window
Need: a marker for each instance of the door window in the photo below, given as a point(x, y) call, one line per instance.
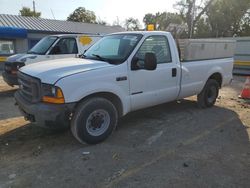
point(157, 45)
point(65, 46)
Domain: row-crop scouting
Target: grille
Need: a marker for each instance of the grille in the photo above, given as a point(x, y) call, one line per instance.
point(29, 87)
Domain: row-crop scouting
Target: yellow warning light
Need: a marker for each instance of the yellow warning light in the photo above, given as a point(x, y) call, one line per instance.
point(150, 27)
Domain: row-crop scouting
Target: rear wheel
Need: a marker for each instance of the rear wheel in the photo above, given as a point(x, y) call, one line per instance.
point(94, 120)
point(209, 94)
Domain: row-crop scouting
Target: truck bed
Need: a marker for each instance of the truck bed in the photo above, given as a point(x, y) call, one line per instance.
point(196, 73)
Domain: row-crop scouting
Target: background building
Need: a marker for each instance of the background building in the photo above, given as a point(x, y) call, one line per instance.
point(18, 33)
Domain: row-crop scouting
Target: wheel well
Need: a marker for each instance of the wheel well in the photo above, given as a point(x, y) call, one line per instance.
point(111, 97)
point(217, 77)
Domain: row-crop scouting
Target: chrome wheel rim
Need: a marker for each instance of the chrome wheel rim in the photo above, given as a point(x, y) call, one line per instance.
point(98, 122)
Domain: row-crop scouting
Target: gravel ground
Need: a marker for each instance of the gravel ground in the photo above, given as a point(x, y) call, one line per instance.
point(171, 145)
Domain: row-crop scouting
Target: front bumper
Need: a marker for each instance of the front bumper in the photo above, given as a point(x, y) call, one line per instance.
point(53, 116)
point(10, 79)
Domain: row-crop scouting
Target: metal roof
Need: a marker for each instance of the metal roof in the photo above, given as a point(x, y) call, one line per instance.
point(33, 24)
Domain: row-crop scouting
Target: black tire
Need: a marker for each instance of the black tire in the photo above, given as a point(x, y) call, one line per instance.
point(94, 120)
point(209, 94)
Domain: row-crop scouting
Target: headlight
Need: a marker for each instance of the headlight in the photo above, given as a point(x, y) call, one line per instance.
point(52, 94)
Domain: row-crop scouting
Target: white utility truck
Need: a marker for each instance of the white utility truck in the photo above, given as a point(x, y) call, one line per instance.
point(120, 73)
point(48, 48)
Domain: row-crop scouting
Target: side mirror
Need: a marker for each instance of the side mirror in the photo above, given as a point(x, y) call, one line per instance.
point(150, 62)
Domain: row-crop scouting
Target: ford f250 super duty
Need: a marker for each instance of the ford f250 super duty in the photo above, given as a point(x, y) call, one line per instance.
point(122, 72)
point(48, 48)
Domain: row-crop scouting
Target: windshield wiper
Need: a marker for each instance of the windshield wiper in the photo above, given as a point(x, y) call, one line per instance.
point(32, 52)
point(100, 57)
point(110, 61)
point(82, 56)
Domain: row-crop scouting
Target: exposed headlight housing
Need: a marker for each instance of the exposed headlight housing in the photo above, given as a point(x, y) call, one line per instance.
point(13, 67)
point(52, 94)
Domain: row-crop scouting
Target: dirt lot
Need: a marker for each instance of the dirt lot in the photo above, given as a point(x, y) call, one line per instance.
point(171, 145)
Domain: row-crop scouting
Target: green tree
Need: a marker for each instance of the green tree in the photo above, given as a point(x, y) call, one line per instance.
point(191, 13)
point(226, 17)
point(202, 29)
point(132, 24)
point(245, 25)
point(149, 19)
point(82, 15)
point(162, 20)
point(215, 18)
point(25, 11)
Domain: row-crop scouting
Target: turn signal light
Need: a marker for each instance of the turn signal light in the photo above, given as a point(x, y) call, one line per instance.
point(57, 99)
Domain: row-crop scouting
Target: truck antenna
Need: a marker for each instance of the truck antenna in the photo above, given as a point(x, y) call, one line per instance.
point(52, 13)
point(34, 6)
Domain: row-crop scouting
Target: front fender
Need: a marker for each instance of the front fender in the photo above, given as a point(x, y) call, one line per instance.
point(77, 87)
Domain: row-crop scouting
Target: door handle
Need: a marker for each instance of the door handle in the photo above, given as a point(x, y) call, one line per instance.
point(174, 72)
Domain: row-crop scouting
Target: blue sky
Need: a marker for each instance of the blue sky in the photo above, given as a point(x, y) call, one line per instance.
point(108, 10)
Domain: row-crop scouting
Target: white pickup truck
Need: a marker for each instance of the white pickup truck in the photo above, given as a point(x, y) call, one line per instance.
point(48, 48)
point(122, 72)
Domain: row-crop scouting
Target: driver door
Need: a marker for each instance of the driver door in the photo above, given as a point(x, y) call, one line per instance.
point(148, 88)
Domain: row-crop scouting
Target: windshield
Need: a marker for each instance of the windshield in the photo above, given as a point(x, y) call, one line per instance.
point(43, 45)
point(113, 49)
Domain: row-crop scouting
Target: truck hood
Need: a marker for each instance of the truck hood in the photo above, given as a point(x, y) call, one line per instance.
point(52, 70)
point(21, 57)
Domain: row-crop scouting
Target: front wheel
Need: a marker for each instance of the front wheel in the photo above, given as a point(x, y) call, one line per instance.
point(209, 94)
point(94, 120)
